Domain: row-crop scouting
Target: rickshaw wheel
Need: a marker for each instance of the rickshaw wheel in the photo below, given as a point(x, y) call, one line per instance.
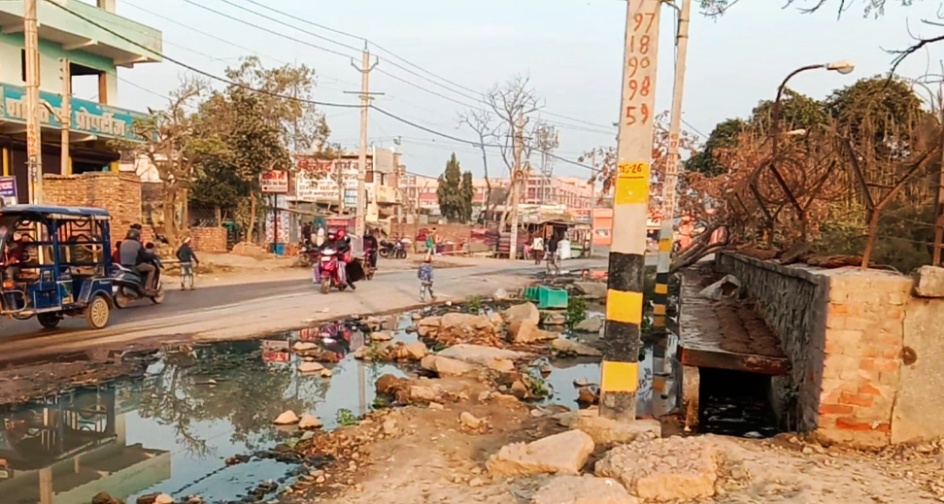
point(97, 312)
point(49, 320)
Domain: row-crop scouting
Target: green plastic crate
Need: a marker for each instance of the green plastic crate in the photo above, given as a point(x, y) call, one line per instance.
point(551, 298)
point(531, 294)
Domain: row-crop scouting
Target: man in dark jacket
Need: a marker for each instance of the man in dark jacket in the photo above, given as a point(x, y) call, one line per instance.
point(133, 255)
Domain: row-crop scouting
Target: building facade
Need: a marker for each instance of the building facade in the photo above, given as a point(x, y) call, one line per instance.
point(333, 182)
point(70, 47)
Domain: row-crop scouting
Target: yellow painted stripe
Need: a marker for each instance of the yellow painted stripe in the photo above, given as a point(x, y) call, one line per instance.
point(113, 166)
point(658, 310)
point(619, 376)
point(661, 289)
point(6, 162)
point(658, 320)
point(632, 184)
point(624, 307)
point(665, 244)
point(658, 383)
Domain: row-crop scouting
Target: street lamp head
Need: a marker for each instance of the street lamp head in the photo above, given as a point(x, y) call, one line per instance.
point(843, 67)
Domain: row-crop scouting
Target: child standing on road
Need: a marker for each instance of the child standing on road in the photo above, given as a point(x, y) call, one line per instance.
point(425, 274)
point(187, 260)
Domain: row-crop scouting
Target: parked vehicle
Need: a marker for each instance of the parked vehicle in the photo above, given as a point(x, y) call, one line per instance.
point(55, 263)
point(129, 286)
point(331, 270)
point(393, 249)
point(305, 252)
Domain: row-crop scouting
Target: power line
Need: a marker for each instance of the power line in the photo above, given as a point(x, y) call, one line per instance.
point(476, 96)
point(195, 69)
point(270, 18)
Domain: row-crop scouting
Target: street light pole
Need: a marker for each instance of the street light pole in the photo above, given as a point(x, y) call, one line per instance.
point(619, 379)
point(843, 67)
point(33, 133)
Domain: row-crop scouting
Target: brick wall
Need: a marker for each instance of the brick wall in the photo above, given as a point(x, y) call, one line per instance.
point(845, 332)
point(209, 239)
point(119, 193)
point(458, 233)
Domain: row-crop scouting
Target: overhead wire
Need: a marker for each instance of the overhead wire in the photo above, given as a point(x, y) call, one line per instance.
point(287, 97)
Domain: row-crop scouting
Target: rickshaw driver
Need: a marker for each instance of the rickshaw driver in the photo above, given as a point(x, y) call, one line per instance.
point(133, 255)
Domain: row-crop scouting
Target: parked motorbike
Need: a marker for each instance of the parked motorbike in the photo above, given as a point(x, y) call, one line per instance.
point(331, 271)
point(399, 250)
point(394, 249)
point(128, 286)
point(305, 251)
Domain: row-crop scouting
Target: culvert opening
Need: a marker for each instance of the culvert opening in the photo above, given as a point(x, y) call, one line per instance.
point(736, 403)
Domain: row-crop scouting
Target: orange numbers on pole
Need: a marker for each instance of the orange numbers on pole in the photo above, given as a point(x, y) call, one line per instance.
point(639, 89)
point(637, 113)
point(642, 46)
point(640, 19)
point(631, 170)
point(635, 64)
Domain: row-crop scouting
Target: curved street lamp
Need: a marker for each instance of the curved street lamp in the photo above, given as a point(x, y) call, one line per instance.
point(844, 67)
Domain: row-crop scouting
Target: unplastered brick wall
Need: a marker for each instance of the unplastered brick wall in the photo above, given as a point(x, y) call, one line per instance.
point(209, 239)
point(848, 334)
point(119, 193)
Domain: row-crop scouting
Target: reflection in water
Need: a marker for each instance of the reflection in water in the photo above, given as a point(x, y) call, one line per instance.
point(173, 430)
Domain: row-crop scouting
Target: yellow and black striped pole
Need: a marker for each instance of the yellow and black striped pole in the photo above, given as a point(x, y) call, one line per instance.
point(670, 184)
point(619, 379)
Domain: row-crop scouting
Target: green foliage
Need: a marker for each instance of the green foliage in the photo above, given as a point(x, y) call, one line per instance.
point(345, 418)
point(724, 136)
point(474, 304)
point(449, 192)
point(576, 310)
point(467, 193)
point(797, 111)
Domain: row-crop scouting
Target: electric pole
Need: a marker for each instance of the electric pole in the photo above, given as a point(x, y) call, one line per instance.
point(65, 116)
point(33, 133)
point(516, 178)
point(366, 96)
point(670, 184)
point(619, 379)
point(593, 199)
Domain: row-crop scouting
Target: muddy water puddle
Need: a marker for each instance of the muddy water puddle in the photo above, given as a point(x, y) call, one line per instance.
point(173, 430)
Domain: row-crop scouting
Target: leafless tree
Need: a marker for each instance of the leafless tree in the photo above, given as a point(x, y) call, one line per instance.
point(484, 123)
point(512, 102)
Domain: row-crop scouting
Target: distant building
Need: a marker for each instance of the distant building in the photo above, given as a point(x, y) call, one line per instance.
point(67, 42)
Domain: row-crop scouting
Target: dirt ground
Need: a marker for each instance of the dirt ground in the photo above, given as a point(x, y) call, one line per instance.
point(421, 454)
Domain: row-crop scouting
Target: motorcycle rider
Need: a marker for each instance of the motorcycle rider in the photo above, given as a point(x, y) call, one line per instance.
point(371, 247)
point(133, 255)
point(341, 242)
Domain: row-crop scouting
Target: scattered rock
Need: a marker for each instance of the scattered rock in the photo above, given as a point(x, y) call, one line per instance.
point(527, 331)
point(416, 350)
point(588, 396)
point(105, 498)
point(605, 431)
point(580, 382)
point(929, 282)
point(428, 326)
point(380, 336)
point(582, 490)
point(571, 348)
point(436, 406)
point(554, 319)
point(664, 470)
point(444, 366)
point(501, 295)
point(164, 499)
point(304, 346)
point(326, 373)
point(308, 422)
point(590, 325)
point(476, 482)
point(464, 322)
point(564, 453)
point(469, 421)
point(517, 314)
point(147, 499)
point(287, 418)
point(490, 357)
point(310, 367)
point(390, 427)
point(417, 316)
point(388, 384)
point(591, 290)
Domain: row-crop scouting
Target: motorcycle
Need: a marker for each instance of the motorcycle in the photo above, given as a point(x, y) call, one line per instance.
point(128, 286)
point(305, 251)
point(331, 271)
point(395, 249)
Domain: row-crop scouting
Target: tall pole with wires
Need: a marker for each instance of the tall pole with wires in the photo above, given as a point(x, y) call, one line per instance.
point(669, 187)
point(366, 96)
point(517, 180)
point(33, 140)
point(619, 379)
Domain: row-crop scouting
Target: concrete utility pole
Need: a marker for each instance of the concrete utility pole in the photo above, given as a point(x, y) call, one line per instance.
point(365, 68)
point(516, 183)
point(670, 184)
point(33, 132)
point(65, 118)
point(619, 379)
point(593, 198)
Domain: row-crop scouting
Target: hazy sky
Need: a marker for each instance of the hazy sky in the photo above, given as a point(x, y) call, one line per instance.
point(571, 49)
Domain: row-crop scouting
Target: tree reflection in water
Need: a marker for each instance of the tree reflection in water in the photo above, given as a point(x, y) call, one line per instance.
point(248, 394)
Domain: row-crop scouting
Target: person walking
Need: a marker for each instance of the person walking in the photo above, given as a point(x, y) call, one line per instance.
point(425, 275)
point(537, 248)
point(187, 259)
point(552, 258)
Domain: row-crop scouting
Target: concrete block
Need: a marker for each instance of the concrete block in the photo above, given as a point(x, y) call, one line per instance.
point(929, 282)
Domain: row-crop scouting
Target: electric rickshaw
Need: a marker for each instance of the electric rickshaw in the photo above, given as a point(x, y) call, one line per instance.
point(55, 263)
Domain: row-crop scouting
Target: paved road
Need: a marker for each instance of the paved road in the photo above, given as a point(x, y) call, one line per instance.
point(239, 311)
